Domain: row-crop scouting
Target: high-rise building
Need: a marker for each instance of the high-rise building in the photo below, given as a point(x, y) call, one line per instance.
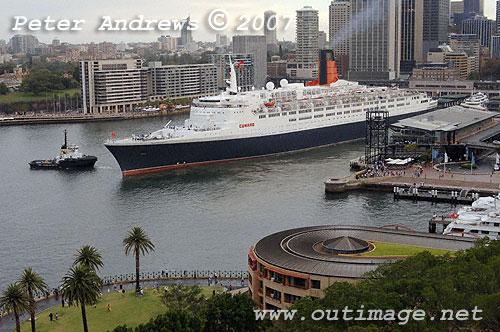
point(474, 7)
point(456, 7)
point(498, 16)
point(113, 85)
point(376, 42)
point(168, 43)
point(482, 27)
point(23, 44)
point(435, 26)
point(468, 44)
point(255, 45)
point(56, 42)
point(322, 41)
point(457, 12)
point(270, 30)
point(339, 30)
point(412, 21)
point(244, 67)
point(461, 61)
point(307, 54)
point(186, 33)
point(220, 40)
point(495, 47)
point(175, 81)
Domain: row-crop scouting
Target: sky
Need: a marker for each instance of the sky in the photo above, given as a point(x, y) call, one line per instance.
point(93, 11)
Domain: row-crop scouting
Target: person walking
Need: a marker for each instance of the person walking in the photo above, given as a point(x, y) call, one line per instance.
point(51, 316)
point(109, 307)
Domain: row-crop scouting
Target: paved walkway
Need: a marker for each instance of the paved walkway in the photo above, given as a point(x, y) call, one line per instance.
point(7, 323)
point(432, 177)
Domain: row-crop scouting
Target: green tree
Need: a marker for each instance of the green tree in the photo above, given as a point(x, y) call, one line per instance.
point(474, 76)
point(82, 286)
point(490, 70)
point(90, 257)
point(42, 80)
point(6, 67)
point(183, 297)
point(172, 321)
point(3, 89)
point(412, 147)
point(227, 313)
point(14, 299)
point(32, 282)
point(137, 242)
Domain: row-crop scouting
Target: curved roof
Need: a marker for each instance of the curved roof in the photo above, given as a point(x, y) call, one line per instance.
point(297, 249)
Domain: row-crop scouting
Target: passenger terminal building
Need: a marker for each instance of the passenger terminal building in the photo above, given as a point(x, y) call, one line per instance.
point(295, 263)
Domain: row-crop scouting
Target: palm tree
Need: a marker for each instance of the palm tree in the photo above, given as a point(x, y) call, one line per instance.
point(32, 282)
point(138, 242)
point(15, 299)
point(90, 257)
point(83, 286)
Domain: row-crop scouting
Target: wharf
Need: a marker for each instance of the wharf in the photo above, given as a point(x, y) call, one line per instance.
point(79, 118)
point(439, 220)
point(431, 185)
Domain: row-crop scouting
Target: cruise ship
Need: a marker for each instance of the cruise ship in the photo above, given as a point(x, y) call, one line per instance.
point(479, 220)
point(238, 125)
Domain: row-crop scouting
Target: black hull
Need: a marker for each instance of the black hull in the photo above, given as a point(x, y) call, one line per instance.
point(137, 159)
point(76, 163)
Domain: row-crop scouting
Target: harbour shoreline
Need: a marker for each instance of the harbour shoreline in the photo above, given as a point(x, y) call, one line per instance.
point(81, 118)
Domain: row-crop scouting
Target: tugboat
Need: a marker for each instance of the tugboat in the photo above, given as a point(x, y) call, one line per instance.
point(69, 158)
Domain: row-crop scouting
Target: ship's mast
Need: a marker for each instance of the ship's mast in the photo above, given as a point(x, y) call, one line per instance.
point(233, 85)
point(65, 146)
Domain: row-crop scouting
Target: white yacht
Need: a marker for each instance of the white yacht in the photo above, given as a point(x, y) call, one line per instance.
point(476, 101)
point(479, 220)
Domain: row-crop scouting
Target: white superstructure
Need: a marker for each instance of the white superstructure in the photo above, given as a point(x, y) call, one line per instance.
point(479, 220)
point(477, 101)
point(289, 108)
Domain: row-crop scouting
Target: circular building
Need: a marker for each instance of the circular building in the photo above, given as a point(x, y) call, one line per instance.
point(291, 264)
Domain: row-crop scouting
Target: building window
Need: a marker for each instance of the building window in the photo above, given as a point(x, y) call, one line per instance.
point(276, 277)
point(274, 294)
point(290, 298)
point(316, 284)
point(296, 282)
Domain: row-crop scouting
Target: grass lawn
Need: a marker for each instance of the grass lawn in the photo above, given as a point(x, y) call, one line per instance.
point(391, 249)
point(125, 309)
point(17, 96)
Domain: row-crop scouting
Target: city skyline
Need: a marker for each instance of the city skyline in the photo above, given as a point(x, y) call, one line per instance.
point(129, 10)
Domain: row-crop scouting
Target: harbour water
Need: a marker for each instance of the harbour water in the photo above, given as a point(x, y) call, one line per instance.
point(204, 217)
